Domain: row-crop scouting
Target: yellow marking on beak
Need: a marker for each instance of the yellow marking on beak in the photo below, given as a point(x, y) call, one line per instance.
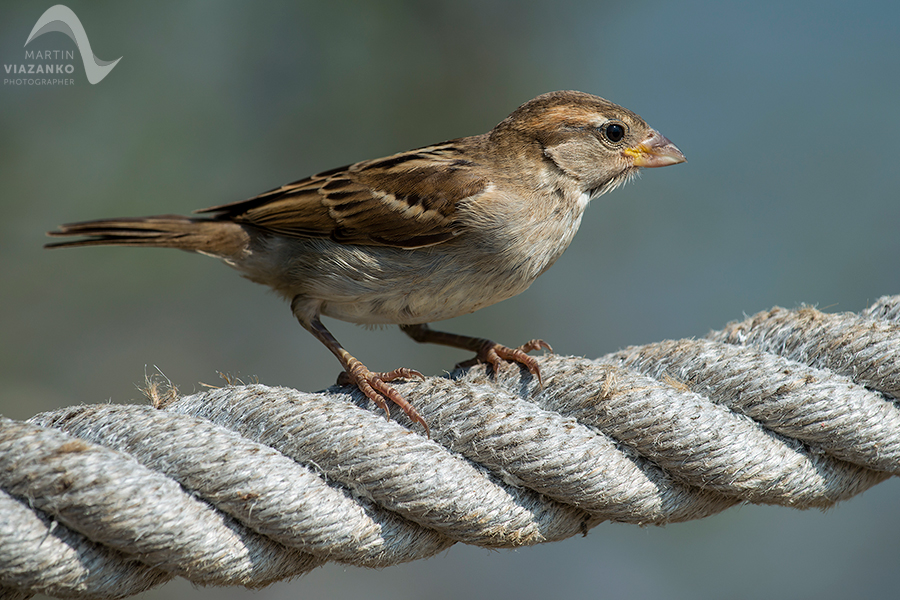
point(655, 151)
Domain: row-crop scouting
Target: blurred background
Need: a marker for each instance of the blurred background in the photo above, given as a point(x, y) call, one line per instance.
point(787, 113)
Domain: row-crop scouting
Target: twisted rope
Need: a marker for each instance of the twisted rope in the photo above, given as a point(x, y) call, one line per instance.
point(245, 485)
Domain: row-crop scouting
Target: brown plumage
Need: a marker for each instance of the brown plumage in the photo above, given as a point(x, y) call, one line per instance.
point(423, 235)
point(408, 200)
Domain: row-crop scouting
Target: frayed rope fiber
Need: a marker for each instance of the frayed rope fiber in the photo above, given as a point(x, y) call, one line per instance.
point(246, 485)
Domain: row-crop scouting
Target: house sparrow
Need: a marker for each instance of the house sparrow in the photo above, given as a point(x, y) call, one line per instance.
point(420, 236)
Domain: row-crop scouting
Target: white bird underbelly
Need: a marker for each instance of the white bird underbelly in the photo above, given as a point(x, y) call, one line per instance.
point(376, 285)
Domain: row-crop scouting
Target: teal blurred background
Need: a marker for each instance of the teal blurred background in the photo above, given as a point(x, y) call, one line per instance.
point(787, 112)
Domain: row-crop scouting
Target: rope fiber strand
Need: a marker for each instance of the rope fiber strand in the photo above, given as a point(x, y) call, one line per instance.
point(246, 485)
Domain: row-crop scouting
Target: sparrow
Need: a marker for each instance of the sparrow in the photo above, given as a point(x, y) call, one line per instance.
point(419, 236)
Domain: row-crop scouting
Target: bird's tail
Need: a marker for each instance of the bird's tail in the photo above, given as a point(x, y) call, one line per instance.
point(224, 239)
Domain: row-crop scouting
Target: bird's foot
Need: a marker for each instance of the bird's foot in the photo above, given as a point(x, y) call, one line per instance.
point(494, 354)
point(375, 387)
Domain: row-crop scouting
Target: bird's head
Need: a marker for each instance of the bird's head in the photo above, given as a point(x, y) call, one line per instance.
point(585, 138)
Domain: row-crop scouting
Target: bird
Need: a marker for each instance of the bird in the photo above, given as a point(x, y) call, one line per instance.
point(419, 236)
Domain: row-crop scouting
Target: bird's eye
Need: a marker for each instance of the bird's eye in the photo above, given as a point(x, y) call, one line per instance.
point(614, 132)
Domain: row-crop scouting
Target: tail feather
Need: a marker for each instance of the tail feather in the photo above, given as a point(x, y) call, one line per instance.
point(218, 238)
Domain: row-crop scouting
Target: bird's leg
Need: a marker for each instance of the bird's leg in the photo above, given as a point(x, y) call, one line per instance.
point(485, 350)
point(373, 385)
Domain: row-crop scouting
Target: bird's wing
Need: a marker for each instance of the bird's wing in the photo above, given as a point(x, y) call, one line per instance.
point(408, 200)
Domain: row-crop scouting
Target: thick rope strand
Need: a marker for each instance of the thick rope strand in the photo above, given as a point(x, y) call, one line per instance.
point(862, 348)
point(41, 556)
point(259, 486)
point(817, 407)
point(113, 500)
point(244, 485)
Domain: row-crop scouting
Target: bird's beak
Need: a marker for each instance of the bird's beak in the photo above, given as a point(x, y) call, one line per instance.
point(655, 151)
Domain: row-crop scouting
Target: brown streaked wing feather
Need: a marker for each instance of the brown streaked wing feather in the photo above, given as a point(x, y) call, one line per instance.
point(272, 210)
point(407, 200)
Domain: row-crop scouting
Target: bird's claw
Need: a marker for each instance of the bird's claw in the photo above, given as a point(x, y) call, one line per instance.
point(375, 387)
point(494, 354)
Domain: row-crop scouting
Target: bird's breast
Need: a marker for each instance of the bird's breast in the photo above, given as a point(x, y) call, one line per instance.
point(490, 261)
